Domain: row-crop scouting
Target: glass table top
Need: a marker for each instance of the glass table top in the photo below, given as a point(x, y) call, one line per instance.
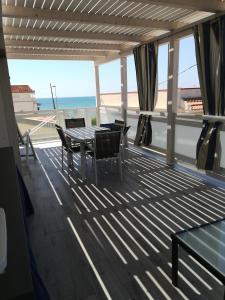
point(208, 242)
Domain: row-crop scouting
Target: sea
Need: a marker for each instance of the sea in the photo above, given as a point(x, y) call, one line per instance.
point(66, 102)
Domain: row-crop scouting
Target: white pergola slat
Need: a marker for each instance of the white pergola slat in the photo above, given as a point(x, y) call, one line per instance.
point(203, 5)
point(62, 16)
point(91, 26)
point(63, 45)
point(22, 50)
point(10, 30)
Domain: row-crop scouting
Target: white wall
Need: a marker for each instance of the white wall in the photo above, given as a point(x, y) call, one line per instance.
point(24, 102)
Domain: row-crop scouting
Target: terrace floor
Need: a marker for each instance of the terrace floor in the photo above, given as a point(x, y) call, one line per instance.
point(113, 241)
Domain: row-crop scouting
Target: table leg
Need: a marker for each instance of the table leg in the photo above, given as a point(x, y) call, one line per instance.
point(174, 262)
point(82, 160)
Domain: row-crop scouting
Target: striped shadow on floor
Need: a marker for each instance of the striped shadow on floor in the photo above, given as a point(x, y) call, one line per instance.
point(123, 228)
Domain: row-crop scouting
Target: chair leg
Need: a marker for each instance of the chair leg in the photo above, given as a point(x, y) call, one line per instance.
point(96, 173)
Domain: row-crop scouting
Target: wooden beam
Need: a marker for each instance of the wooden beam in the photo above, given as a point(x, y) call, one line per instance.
point(74, 17)
point(172, 95)
point(64, 45)
point(49, 57)
point(10, 30)
point(57, 52)
point(123, 76)
point(201, 5)
point(98, 99)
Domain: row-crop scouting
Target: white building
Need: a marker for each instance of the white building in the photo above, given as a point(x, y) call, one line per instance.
point(23, 98)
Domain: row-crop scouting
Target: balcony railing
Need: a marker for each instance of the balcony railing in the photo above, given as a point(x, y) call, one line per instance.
point(41, 124)
point(187, 131)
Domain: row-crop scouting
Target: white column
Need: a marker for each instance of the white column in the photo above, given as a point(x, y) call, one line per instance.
point(123, 70)
point(98, 100)
point(172, 98)
point(8, 129)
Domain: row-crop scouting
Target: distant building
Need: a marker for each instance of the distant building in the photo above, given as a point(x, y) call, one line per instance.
point(23, 98)
point(190, 100)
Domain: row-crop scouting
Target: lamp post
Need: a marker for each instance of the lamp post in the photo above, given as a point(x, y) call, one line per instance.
point(53, 100)
point(56, 99)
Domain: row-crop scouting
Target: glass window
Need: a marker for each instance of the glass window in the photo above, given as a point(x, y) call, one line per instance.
point(110, 83)
point(132, 83)
point(161, 102)
point(189, 94)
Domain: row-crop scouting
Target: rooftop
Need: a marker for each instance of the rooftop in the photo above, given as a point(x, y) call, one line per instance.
point(21, 89)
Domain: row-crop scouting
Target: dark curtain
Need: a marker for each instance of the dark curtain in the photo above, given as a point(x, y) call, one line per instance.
point(144, 131)
point(210, 55)
point(146, 58)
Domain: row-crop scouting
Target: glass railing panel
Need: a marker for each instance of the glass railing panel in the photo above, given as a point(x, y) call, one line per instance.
point(109, 114)
point(41, 124)
point(186, 138)
point(159, 134)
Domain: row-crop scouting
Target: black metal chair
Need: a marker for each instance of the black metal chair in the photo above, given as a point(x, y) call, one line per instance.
point(119, 122)
point(66, 145)
point(75, 123)
point(107, 147)
point(106, 125)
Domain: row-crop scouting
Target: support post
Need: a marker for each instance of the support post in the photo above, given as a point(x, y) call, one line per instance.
point(8, 132)
point(98, 100)
point(123, 70)
point(172, 94)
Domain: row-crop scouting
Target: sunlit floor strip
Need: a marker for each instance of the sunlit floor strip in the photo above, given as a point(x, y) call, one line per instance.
point(158, 285)
point(121, 240)
point(195, 274)
point(49, 181)
point(144, 289)
point(78, 197)
point(139, 232)
point(203, 268)
point(187, 281)
point(94, 234)
point(110, 241)
point(148, 230)
point(130, 235)
point(89, 260)
point(170, 281)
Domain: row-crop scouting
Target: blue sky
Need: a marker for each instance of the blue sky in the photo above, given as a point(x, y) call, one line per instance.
point(76, 78)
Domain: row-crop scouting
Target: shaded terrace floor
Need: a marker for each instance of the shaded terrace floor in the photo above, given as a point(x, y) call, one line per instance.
point(114, 240)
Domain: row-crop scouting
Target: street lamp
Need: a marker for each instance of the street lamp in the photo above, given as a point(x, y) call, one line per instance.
point(53, 100)
point(56, 99)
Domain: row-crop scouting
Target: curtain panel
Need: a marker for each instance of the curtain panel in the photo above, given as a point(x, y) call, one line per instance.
point(146, 59)
point(210, 56)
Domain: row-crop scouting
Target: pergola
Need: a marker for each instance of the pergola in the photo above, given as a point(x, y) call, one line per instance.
point(100, 31)
point(97, 30)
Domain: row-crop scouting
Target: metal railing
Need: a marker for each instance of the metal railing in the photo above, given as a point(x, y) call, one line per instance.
point(41, 124)
point(187, 131)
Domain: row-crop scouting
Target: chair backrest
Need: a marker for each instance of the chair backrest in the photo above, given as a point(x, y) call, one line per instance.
point(106, 125)
point(62, 136)
point(107, 144)
point(75, 123)
point(119, 122)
